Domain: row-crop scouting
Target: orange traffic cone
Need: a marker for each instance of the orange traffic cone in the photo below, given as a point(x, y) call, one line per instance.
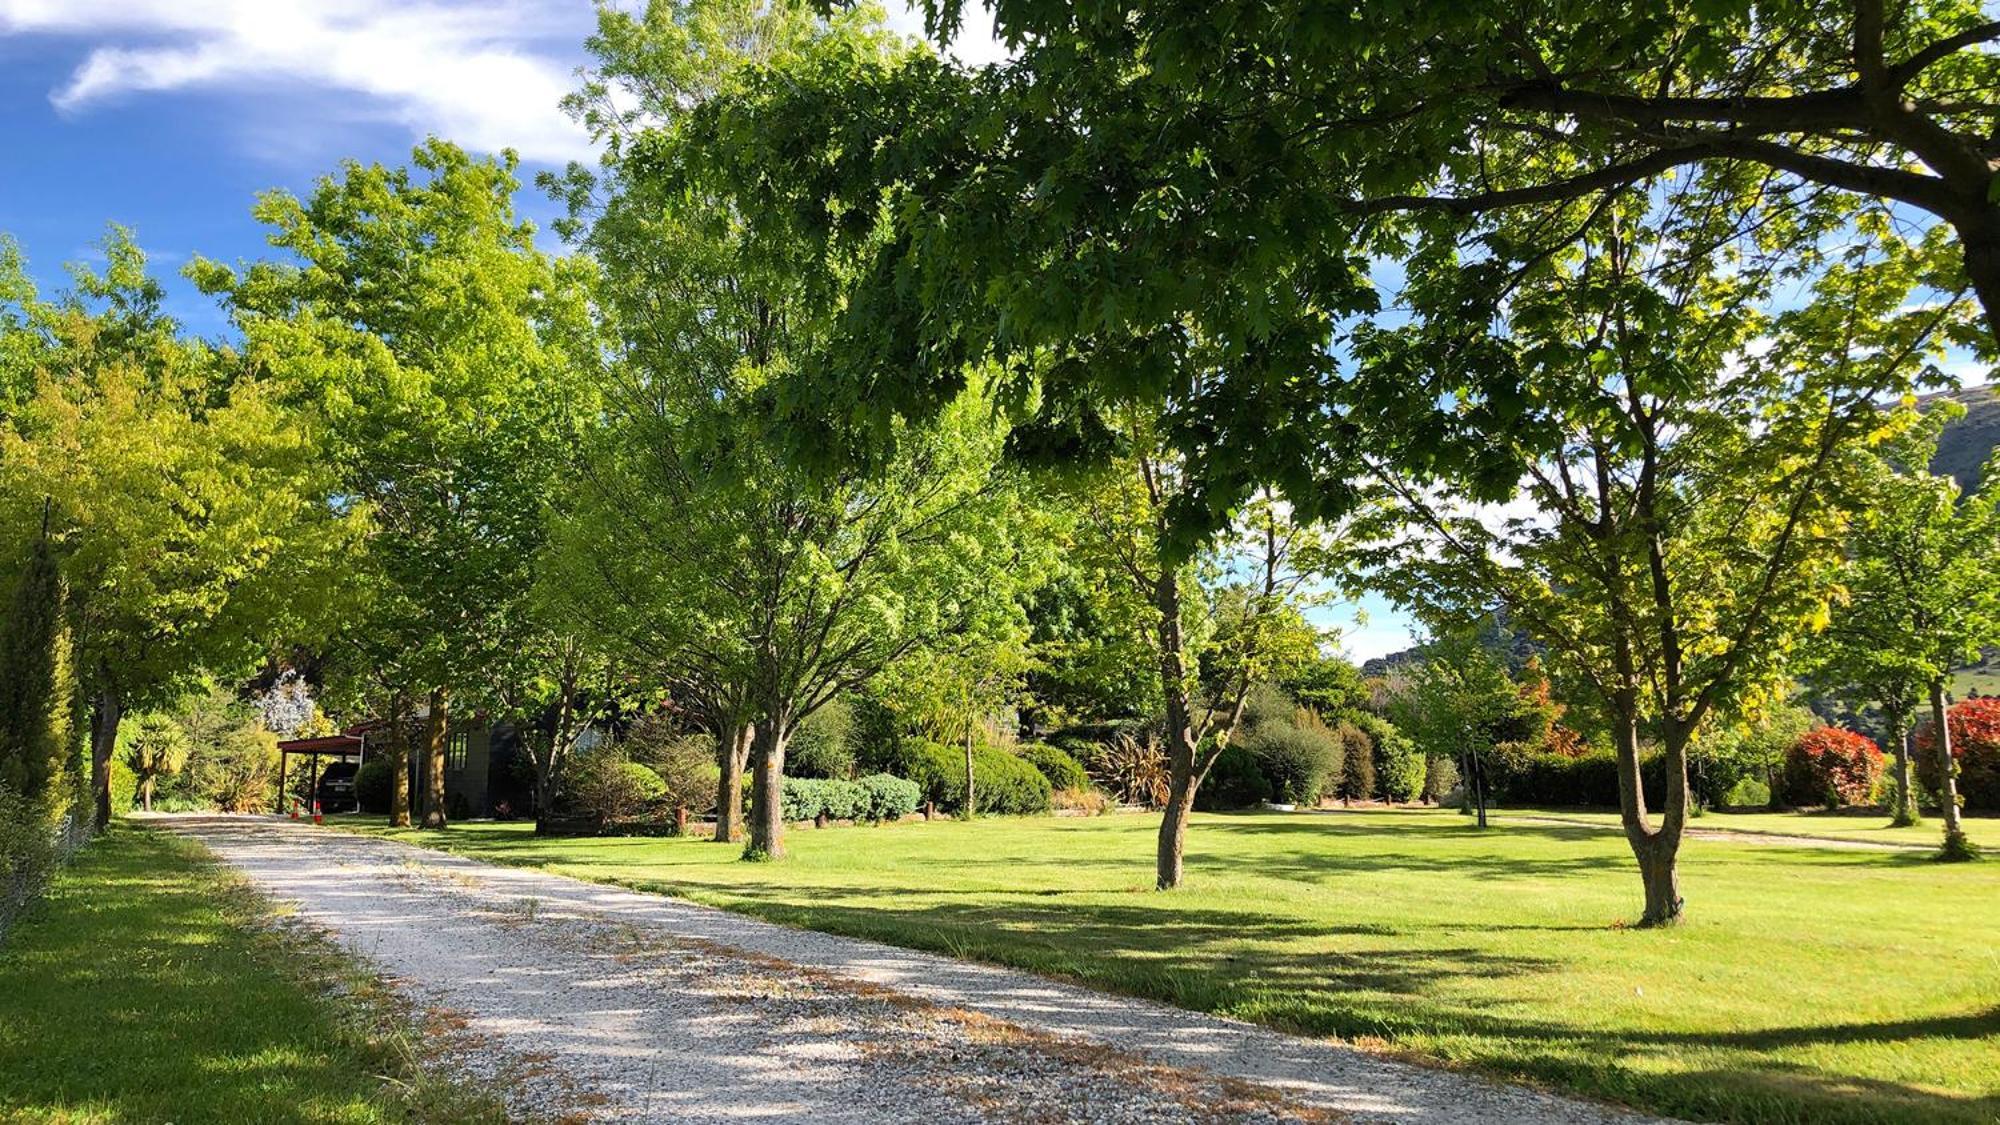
point(316, 816)
point(295, 808)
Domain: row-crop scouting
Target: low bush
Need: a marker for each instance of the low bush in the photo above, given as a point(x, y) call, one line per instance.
point(1975, 746)
point(1235, 781)
point(889, 797)
point(1059, 766)
point(606, 788)
point(374, 783)
point(685, 763)
point(1002, 783)
point(1832, 767)
point(807, 798)
point(1300, 763)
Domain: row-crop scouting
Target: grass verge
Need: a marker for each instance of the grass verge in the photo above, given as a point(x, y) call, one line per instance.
point(153, 985)
point(1808, 984)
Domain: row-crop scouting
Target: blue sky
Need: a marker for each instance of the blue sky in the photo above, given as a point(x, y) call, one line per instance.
point(170, 116)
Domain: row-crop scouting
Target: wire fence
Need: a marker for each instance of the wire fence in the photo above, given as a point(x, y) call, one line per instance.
point(29, 863)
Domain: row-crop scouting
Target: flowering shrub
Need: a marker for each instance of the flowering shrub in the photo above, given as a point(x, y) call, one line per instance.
point(1975, 746)
point(1833, 767)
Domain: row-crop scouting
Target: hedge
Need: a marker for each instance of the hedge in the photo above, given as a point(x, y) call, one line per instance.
point(1975, 746)
point(889, 797)
point(1519, 776)
point(1003, 783)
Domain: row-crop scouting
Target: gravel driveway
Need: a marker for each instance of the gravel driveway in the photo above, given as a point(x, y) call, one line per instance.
point(588, 1002)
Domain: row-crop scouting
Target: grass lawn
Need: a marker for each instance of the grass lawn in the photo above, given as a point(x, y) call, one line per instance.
point(1844, 824)
point(147, 987)
point(1806, 985)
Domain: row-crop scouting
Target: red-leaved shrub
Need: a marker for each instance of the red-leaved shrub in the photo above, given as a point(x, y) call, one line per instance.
point(1830, 766)
point(1975, 745)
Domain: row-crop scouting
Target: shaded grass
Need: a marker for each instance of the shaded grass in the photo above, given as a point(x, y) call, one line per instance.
point(1806, 985)
point(151, 985)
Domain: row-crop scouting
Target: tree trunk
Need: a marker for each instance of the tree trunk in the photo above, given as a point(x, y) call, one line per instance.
point(1173, 831)
point(545, 771)
point(399, 758)
point(733, 755)
point(146, 793)
point(437, 734)
point(1905, 812)
point(108, 712)
point(1656, 849)
point(971, 794)
point(1981, 247)
point(1956, 846)
point(1476, 780)
point(767, 810)
point(1180, 733)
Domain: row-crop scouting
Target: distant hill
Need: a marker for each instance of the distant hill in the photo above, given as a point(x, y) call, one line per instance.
point(1964, 447)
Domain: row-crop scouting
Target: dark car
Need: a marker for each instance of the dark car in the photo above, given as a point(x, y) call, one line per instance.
point(336, 787)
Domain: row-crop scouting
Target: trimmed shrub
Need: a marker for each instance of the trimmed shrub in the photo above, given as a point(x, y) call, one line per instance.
point(1235, 781)
point(1833, 767)
point(374, 783)
point(1975, 746)
point(1357, 753)
point(1062, 770)
point(1400, 768)
point(806, 798)
point(1003, 783)
point(1299, 763)
point(888, 797)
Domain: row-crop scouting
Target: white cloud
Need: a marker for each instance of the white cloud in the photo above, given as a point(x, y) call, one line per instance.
point(974, 45)
point(487, 75)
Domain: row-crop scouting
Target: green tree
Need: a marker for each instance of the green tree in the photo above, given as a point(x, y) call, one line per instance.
point(437, 341)
point(1457, 702)
point(1685, 457)
point(186, 499)
point(757, 588)
point(1220, 622)
point(1920, 593)
point(36, 681)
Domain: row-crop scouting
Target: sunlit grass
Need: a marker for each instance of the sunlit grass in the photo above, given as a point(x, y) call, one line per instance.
point(148, 987)
point(1806, 984)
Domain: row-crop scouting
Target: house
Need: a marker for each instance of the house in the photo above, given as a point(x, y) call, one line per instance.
point(482, 766)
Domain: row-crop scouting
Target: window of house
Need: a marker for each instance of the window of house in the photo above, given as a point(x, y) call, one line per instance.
point(454, 752)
